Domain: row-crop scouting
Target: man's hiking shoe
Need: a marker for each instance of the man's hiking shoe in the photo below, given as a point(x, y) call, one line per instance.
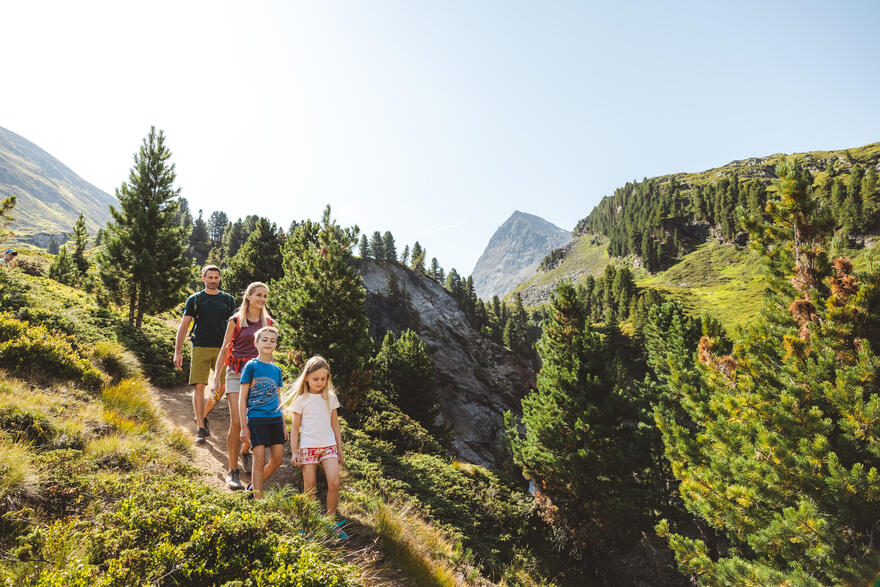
point(232, 480)
point(201, 435)
point(247, 461)
point(207, 432)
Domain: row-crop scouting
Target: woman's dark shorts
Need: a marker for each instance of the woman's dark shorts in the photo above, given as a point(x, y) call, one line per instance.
point(266, 433)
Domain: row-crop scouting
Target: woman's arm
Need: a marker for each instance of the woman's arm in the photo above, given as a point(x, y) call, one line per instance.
point(294, 439)
point(334, 423)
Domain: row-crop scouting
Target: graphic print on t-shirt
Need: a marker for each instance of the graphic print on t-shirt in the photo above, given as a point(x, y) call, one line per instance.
point(263, 394)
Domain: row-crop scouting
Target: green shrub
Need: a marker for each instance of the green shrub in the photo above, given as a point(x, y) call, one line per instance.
point(383, 420)
point(154, 346)
point(27, 426)
point(131, 398)
point(34, 352)
point(18, 476)
point(115, 360)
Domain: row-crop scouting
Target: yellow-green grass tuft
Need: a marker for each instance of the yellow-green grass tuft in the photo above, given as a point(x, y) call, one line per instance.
point(116, 361)
point(131, 399)
point(18, 476)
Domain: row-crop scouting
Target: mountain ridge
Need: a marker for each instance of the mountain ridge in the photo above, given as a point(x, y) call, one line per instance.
point(50, 196)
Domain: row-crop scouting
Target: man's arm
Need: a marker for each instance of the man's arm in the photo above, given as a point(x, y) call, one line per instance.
point(178, 342)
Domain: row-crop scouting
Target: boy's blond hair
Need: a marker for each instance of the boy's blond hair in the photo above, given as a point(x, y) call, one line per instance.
point(264, 330)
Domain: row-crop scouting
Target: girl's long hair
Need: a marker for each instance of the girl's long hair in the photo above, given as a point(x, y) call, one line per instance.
point(246, 306)
point(301, 385)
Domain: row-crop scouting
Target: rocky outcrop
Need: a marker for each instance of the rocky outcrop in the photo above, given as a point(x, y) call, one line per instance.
point(477, 380)
point(514, 253)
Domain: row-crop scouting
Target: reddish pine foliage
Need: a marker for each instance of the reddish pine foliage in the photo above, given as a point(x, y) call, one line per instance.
point(844, 285)
point(704, 349)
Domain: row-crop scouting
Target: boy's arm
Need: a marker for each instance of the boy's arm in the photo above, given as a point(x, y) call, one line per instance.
point(178, 342)
point(334, 423)
point(294, 439)
point(245, 434)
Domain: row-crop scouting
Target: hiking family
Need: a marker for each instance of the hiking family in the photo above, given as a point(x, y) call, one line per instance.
point(237, 344)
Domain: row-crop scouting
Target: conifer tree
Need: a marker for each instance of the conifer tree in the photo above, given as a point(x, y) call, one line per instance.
point(6, 206)
point(580, 449)
point(79, 238)
point(53, 246)
point(434, 272)
point(320, 301)
point(388, 247)
point(377, 246)
point(217, 222)
point(418, 259)
point(258, 259)
point(142, 258)
point(782, 448)
point(404, 256)
point(233, 238)
point(405, 372)
point(199, 243)
point(364, 248)
point(63, 268)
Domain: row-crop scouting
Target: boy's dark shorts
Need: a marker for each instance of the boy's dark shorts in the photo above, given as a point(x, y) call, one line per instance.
point(266, 432)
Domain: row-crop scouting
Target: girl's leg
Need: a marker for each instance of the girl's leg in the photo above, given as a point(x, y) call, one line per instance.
point(257, 475)
point(310, 475)
point(276, 455)
point(331, 472)
point(233, 439)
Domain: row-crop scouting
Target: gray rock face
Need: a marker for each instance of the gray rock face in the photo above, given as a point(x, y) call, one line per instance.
point(514, 253)
point(50, 197)
point(477, 380)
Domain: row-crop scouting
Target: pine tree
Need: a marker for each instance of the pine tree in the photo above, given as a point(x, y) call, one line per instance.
point(199, 243)
point(377, 247)
point(404, 256)
point(388, 247)
point(217, 223)
point(63, 268)
point(418, 259)
point(781, 449)
point(434, 272)
point(405, 372)
point(79, 238)
point(364, 248)
point(320, 301)
point(580, 449)
point(142, 258)
point(6, 206)
point(53, 246)
point(233, 238)
point(258, 259)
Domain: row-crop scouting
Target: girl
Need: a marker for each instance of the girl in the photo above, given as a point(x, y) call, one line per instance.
point(315, 437)
point(237, 349)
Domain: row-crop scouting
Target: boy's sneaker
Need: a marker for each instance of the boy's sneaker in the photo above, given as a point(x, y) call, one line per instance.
point(232, 480)
point(205, 426)
point(247, 461)
point(201, 435)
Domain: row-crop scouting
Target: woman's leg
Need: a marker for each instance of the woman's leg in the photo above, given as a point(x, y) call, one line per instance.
point(233, 439)
point(331, 472)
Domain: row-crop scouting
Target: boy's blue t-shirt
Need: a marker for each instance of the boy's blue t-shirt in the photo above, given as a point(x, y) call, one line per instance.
point(265, 380)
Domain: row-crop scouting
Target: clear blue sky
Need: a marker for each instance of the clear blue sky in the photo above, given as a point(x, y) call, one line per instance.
point(435, 120)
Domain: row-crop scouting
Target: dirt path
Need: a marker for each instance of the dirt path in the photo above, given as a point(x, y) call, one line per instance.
point(211, 460)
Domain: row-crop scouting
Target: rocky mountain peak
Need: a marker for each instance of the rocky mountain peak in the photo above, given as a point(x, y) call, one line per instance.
point(514, 253)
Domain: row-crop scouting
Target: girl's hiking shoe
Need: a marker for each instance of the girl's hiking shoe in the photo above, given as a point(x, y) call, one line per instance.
point(340, 533)
point(232, 480)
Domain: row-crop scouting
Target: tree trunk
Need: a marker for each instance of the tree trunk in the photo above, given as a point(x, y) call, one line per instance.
point(132, 302)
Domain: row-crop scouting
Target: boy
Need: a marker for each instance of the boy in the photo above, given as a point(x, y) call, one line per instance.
point(260, 402)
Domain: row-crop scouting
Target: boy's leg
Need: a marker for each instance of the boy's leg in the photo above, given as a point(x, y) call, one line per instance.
point(310, 475)
point(257, 475)
point(331, 472)
point(276, 455)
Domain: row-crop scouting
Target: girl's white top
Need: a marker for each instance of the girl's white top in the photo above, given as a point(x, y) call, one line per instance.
point(315, 430)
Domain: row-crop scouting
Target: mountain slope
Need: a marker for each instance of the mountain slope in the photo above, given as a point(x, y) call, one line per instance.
point(514, 253)
point(50, 196)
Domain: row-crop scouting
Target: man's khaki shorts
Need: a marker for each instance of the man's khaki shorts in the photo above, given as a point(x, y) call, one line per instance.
point(204, 359)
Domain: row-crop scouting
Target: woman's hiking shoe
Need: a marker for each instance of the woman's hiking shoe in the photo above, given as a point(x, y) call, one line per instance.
point(247, 461)
point(232, 480)
point(201, 435)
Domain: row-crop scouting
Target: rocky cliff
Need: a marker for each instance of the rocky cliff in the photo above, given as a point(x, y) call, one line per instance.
point(477, 380)
point(50, 196)
point(514, 253)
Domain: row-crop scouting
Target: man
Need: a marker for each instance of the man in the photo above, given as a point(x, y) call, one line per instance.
point(209, 309)
point(8, 256)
